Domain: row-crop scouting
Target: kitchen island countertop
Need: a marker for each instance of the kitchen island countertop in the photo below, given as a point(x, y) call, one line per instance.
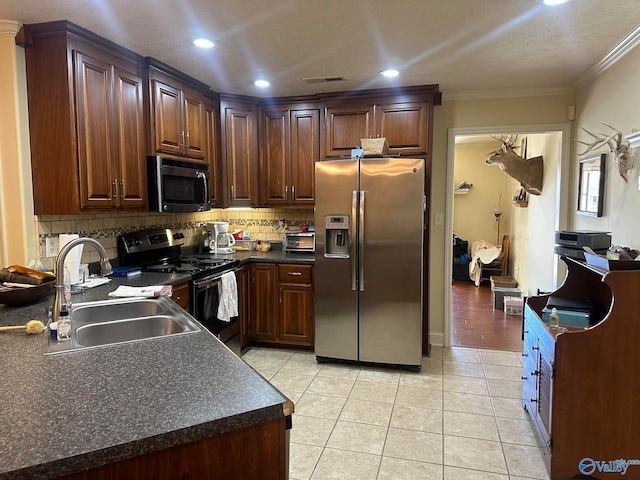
point(69, 412)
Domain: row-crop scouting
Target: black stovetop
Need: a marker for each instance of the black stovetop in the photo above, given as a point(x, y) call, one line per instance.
point(160, 250)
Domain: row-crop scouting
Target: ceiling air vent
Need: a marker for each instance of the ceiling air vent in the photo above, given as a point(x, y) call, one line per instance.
point(323, 79)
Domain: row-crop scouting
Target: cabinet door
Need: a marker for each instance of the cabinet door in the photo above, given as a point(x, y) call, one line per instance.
point(130, 139)
point(181, 295)
point(263, 306)
point(167, 118)
point(244, 312)
point(239, 153)
point(295, 313)
point(545, 394)
point(404, 125)
point(93, 79)
point(213, 152)
point(274, 156)
point(194, 126)
point(305, 152)
point(296, 310)
point(344, 126)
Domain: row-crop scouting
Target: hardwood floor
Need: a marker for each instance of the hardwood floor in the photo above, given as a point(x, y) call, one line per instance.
point(474, 322)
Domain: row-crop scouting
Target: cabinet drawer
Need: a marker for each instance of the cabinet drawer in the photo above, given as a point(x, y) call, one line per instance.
point(294, 273)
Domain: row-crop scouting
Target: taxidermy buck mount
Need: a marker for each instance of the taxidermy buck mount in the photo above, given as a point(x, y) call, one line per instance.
point(618, 145)
point(528, 172)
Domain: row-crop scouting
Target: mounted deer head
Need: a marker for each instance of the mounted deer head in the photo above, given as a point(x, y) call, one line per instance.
point(527, 172)
point(618, 145)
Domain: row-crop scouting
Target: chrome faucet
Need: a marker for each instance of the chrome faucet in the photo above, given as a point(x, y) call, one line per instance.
point(105, 268)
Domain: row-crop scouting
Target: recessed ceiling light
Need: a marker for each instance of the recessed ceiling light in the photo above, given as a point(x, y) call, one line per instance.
point(261, 83)
point(553, 2)
point(203, 43)
point(390, 73)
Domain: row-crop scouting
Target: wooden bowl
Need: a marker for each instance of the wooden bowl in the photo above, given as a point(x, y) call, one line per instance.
point(18, 297)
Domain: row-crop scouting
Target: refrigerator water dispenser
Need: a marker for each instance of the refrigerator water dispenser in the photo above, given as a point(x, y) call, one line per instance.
point(337, 235)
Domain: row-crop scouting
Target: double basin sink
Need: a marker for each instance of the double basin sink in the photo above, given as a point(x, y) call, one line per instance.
point(110, 322)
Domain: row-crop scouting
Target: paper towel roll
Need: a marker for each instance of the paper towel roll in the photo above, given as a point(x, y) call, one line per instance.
point(72, 262)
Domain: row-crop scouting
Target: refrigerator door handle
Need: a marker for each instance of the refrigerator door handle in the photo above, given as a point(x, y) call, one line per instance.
point(354, 212)
point(361, 240)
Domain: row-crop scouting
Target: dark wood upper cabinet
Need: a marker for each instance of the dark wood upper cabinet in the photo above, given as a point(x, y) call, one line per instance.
point(344, 126)
point(86, 121)
point(239, 155)
point(402, 115)
point(289, 148)
point(212, 136)
point(177, 109)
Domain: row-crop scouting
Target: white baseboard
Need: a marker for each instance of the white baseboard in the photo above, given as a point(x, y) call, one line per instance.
point(436, 339)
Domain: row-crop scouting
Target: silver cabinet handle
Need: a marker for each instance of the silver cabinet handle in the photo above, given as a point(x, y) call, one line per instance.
point(295, 274)
point(181, 145)
point(123, 196)
point(286, 192)
point(114, 189)
point(232, 194)
point(354, 211)
point(293, 192)
point(361, 240)
point(117, 197)
point(187, 142)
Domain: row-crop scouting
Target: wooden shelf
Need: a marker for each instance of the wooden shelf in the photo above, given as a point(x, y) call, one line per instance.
point(463, 191)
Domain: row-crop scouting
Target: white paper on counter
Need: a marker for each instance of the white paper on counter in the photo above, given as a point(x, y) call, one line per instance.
point(94, 282)
point(151, 291)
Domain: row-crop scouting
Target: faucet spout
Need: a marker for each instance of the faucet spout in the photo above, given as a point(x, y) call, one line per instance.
point(105, 268)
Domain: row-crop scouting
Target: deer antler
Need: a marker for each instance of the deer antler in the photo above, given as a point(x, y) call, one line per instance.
point(600, 139)
point(618, 145)
point(506, 141)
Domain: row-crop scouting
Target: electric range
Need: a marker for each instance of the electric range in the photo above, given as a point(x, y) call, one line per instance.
point(160, 250)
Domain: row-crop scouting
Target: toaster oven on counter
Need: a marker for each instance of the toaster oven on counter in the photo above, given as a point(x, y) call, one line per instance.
point(300, 242)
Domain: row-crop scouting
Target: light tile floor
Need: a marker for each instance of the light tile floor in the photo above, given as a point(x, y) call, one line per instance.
point(460, 418)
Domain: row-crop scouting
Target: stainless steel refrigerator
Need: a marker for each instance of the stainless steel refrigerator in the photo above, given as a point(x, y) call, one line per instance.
point(369, 219)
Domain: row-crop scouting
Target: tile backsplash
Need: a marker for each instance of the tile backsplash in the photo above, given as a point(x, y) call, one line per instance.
point(263, 223)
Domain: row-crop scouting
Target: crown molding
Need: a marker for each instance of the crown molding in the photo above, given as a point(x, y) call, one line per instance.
point(620, 49)
point(634, 139)
point(506, 93)
point(9, 28)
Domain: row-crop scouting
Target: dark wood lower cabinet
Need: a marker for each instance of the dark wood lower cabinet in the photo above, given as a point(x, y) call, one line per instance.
point(281, 308)
point(259, 452)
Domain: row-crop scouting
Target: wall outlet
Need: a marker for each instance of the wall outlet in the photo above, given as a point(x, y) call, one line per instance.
point(51, 244)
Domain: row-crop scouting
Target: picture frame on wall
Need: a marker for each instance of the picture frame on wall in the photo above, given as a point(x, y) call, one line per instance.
point(591, 186)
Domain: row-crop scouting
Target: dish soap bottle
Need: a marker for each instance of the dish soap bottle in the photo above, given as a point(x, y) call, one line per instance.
point(554, 319)
point(64, 324)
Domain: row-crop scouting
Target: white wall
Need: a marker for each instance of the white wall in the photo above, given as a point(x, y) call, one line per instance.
point(532, 258)
point(613, 97)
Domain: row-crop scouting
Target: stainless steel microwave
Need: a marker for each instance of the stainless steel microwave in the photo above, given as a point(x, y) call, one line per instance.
point(300, 241)
point(177, 186)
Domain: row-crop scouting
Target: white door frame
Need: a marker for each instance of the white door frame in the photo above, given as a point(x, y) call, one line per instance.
point(562, 205)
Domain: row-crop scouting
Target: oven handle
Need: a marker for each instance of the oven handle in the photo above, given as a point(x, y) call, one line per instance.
point(209, 281)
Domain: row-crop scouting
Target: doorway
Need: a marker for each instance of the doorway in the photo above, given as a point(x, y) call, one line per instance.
point(532, 261)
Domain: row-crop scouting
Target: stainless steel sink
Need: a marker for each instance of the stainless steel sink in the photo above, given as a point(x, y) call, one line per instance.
point(111, 322)
point(95, 312)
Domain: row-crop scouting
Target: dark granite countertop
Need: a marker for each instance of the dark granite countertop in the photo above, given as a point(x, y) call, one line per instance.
point(69, 412)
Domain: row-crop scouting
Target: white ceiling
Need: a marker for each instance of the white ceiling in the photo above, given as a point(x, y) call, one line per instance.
point(465, 46)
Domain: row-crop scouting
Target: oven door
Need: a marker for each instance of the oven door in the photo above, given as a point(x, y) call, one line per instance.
point(205, 298)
